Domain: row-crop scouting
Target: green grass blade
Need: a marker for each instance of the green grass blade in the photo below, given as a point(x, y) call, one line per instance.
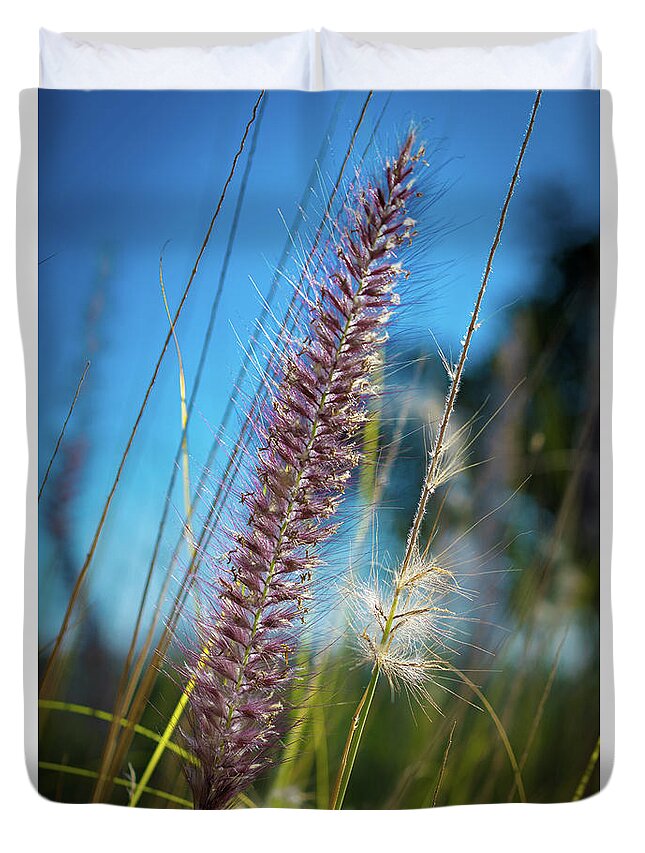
point(124, 783)
point(586, 776)
point(246, 801)
point(86, 711)
point(164, 740)
point(353, 742)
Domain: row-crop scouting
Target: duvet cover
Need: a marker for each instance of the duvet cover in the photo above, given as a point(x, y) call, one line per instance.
point(318, 448)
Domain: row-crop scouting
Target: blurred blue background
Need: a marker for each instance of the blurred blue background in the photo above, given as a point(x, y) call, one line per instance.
point(121, 173)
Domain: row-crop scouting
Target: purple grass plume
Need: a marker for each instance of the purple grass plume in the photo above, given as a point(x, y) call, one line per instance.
point(251, 613)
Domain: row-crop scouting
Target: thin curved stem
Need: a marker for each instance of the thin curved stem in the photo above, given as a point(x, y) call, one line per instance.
point(62, 432)
point(124, 783)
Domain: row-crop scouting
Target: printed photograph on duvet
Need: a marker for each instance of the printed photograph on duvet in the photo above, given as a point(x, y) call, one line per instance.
point(318, 433)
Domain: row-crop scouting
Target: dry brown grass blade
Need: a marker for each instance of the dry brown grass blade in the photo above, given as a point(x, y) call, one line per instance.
point(428, 485)
point(48, 670)
point(64, 427)
point(444, 762)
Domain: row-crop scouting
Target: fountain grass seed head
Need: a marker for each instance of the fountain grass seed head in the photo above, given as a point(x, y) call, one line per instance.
point(247, 629)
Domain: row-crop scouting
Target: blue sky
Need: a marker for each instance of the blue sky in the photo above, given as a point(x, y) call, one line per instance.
point(121, 173)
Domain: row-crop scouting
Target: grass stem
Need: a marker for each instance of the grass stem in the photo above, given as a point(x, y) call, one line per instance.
point(586, 776)
point(62, 432)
